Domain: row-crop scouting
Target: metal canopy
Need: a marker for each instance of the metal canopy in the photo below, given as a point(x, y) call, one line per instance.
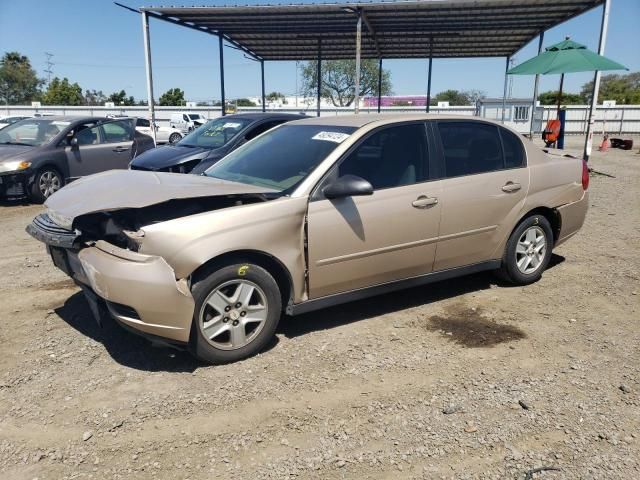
point(404, 29)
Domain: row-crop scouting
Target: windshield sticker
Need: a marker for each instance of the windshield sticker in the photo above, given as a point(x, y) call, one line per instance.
point(336, 137)
point(232, 125)
point(60, 123)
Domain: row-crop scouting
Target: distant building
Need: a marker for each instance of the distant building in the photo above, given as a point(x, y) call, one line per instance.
point(396, 101)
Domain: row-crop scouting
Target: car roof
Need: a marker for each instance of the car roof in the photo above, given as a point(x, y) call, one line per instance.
point(266, 116)
point(363, 119)
point(72, 118)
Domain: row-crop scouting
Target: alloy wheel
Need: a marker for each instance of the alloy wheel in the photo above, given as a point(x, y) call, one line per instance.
point(233, 314)
point(531, 250)
point(49, 183)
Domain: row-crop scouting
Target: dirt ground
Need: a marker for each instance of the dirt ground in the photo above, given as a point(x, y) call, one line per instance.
point(462, 379)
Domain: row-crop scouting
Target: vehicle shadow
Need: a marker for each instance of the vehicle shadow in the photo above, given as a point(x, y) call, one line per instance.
point(15, 203)
point(393, 302)
point(133, 351)
point(126, 348)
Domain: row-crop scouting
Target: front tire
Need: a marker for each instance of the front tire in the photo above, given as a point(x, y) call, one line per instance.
point(48, 181)
point(237, 310)
point(528, 251)
point(175, 137)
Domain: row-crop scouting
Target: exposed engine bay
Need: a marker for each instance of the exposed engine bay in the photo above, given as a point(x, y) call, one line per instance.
point(121, 227)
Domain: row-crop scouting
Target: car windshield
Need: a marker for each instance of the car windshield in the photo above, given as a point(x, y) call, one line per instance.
point(195, 116)
point(216, 133)
point(281, 158)
point(32, 131)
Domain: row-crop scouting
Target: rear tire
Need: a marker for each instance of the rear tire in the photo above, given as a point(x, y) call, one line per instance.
point(48, 181)
point(175, 137)
point(528, 251)
point(237, 310)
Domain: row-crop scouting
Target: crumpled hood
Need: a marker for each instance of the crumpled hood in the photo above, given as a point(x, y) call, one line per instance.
point(14, 152)
point(117, 189)
point(168, 156)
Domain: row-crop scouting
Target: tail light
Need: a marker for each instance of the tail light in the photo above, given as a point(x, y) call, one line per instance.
point(585, 175)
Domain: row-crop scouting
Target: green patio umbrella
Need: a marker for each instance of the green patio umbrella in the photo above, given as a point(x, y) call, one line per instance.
point(565, 57)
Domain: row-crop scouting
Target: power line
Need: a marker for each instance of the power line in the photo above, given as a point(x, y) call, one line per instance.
point(50, 64)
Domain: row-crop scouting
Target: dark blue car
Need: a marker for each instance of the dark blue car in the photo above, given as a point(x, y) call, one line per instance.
point(212, 141)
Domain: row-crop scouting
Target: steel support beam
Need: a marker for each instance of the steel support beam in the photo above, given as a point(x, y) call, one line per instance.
point(147, 64)
point(319, 76)
point(536, 85)
point(504, 92)
point(223, 100)
point(356, 98)
point(596, 81)
point(264, 107)
point(372, 32)
point(379, 83)
point(428, 106)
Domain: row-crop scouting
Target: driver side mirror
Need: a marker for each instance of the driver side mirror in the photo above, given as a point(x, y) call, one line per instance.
point(347, 186)
point(73, 143)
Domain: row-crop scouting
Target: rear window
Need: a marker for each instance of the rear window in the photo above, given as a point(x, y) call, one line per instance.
point(470, 148)
point(513, 149)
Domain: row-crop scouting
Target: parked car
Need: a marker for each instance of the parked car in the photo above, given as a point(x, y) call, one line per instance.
point(202, 148)
point(186, 122)
point(313, 213)
point(39, 155)
point(163, 134)
point(6, 121)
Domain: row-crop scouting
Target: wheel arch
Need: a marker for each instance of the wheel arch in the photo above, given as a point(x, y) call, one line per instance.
point(265, 260)
point(551, 214)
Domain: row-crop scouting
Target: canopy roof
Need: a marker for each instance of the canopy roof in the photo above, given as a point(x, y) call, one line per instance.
point(400, 29)
point(566, 57)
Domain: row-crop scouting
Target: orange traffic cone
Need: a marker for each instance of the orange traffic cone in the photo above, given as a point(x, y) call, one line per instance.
point(604, 146)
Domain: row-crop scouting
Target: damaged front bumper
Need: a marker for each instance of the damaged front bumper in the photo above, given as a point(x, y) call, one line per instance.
point(139, 291)
point(14, 185)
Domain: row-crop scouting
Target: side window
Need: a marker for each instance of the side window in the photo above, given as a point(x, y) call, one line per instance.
point(185, 118)
point(263, 127)
point(391, 157)
point(87, 135)
point(513, 149)
point(118, 131)
point(470, 148)
point(143, 122)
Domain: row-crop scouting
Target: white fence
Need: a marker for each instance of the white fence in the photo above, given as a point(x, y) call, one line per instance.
point(624, 119)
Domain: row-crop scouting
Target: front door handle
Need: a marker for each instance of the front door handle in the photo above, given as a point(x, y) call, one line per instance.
point(120, 149)
point(511, 187)
point(423, 201)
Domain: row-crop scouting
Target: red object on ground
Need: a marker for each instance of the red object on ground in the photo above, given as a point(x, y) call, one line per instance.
point(604, 146)
point(551, 132)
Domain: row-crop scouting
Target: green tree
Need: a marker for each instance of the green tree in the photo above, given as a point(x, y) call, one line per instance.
point(121, 98)
point(454, 97)
point(62, 92)
point(94, 97)
point(244, 102)
point(339, 80)
point(172, 98)
point(624, 89)
point(274, 96)
point(551, 98)
point(19, 83)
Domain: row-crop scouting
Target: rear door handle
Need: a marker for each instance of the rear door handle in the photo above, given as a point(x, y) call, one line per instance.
point(423, 201)
point(510, 187)
point(120, 149)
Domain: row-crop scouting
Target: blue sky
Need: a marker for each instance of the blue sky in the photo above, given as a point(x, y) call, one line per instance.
point(99, 45)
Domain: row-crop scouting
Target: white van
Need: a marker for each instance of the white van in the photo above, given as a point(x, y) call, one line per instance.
point(187, 121)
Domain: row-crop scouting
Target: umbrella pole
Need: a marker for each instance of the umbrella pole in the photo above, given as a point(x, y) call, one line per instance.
point(560, 95)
